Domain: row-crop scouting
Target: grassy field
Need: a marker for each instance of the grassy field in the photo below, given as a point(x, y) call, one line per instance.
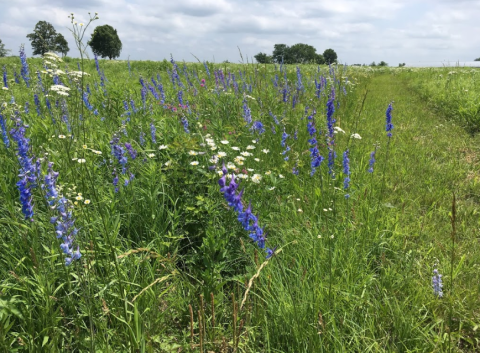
point(172, 207)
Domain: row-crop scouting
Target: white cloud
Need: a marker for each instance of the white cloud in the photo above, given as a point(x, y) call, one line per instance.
point(361, 32)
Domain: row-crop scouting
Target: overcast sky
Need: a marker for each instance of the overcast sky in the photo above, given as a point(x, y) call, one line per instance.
point(359, 31)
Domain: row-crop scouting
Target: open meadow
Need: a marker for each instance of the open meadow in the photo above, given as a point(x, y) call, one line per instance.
point(179, 207)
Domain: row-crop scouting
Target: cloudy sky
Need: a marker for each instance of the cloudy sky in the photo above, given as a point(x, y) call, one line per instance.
point(411, 31)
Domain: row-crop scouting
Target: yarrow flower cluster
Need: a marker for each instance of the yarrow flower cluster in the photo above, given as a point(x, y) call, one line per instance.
point(248, 220)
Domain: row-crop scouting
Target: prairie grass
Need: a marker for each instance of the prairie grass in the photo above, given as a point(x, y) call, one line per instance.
point(167, 267)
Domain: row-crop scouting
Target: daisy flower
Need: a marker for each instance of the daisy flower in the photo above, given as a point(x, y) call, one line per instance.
point(256, 178)
point(194, 163)
point(265, 151)
point(250, 147)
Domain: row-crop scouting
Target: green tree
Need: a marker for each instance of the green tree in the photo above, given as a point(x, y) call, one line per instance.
point(302, 54)
point(280, 53)
point(105, 42)
point(43, 38)
point(61, 44)
point(263, 58)
point(382, 63)
point(319, 59)
point(477, 59)
point(3, 51)
point(330, 56)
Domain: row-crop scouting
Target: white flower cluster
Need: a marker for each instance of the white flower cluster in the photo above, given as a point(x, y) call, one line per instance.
point(61, 90)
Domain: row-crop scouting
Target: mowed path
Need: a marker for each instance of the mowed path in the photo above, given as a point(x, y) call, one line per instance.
point(432, 159)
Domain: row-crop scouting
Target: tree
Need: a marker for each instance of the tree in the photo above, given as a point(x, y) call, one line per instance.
point(302, 54)
point(477, 59)
point(43, 38)
point(3, 51)
point(382, 63)
point(330, 56)
point(280, 53)
point(61, 44)
point(263, 58)
point(105, 42)
point(319, 59)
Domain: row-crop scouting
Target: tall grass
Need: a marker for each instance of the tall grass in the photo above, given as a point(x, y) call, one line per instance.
point(165, 263)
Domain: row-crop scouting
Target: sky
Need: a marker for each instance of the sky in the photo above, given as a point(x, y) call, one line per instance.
point(422, 33)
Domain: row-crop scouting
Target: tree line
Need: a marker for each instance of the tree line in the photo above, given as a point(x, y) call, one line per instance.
point(104, 41)
point(297, 54)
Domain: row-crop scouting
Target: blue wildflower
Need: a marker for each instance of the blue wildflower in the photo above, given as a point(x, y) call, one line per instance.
point(247, 113)
point(371, 163)
point(258, 127)
point(330, 111)
point(24, 71)
point(5, 80)
point(153, 131)
point(184, 122)
point(437, 284)
point(3, 126)
point(389, 125)
point(346, 171)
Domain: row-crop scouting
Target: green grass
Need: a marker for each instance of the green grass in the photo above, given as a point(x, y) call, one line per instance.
point(349, 275)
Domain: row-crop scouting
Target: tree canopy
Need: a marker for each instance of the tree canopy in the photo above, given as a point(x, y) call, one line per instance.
point(45, 38)
point(105, 42)
point(3, 51)
point(263, 58)
point(299, 53)
point(61, 45)
point(330, 56)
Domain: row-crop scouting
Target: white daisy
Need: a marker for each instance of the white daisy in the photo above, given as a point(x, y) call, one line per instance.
point(162, 147)
point(236, 148)
point(250, 147)
point(356, 136)
point(194, 163)
point(256, 178)
point(192, 153)
point(225, 142)
point(265, 151)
